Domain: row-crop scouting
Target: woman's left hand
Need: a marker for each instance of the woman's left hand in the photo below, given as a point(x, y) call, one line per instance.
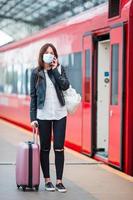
point(54, 63)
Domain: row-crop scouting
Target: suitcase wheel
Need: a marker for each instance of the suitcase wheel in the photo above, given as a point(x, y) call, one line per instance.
point(36, 188)
point(24, 188)
point(18, 186)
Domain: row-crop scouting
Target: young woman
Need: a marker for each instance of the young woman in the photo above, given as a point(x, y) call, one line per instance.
point(48, 110)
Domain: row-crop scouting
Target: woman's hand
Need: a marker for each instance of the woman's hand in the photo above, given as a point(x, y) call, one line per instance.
point(54, 63)
point(34, 124)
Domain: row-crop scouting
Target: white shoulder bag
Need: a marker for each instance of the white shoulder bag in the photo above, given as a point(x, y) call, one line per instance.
point(72, 98)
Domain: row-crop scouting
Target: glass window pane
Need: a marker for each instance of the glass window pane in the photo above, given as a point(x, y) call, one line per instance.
point(64, 60)
point(87, 75)
point(2, 79)
point(28, 82)
point(115, 63)
point(114, 8)
point(75, 71)
point(14, 80)
point(73, 67)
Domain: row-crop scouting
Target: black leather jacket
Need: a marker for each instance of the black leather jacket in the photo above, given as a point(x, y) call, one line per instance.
point(38, 88)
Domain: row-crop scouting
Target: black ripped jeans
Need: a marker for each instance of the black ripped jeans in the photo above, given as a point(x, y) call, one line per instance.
point(45, 132)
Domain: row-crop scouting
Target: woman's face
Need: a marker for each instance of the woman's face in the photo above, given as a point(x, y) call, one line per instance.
point(49, 50)
point(48, 58)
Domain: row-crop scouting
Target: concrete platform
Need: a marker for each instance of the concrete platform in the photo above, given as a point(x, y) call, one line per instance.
point(84, 178)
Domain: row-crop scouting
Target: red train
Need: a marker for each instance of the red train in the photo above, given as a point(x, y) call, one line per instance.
point(96, 48)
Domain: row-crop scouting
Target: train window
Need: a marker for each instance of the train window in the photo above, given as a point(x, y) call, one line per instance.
point(64, 60)
point(75, 71)
point(87, 75)
point(2, 79)
point(8, 80)
point(73, 67)
point(114, 8)
point(19, 67)
point(27, 81)
point(114, 72)
point(23, 80)
point(14, 81)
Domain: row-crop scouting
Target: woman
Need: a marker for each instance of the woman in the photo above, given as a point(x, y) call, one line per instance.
point(48, 110)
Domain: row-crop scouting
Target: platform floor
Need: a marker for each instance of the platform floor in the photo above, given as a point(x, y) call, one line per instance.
point(84, 178)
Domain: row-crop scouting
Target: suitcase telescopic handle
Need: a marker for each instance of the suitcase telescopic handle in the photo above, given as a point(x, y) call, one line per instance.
point(35, 135)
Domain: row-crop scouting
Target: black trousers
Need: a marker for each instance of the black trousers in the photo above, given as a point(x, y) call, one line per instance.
point(45, 132)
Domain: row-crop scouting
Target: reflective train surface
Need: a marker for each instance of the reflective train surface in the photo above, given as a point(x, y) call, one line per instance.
point(96, 49)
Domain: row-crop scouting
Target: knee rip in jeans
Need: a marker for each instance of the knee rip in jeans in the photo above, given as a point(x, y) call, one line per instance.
point(59, 150)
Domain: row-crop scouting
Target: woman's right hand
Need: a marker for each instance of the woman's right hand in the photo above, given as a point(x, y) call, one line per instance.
point(34, 124)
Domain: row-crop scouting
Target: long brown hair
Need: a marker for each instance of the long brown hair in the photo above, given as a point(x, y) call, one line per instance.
point(42, 51)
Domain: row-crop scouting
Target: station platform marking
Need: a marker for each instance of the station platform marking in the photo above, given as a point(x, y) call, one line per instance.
point(76, 154)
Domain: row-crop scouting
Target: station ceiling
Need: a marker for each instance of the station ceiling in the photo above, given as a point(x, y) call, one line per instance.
point(20, 18)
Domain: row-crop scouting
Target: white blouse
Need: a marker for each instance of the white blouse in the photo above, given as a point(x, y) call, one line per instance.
point(52, 109)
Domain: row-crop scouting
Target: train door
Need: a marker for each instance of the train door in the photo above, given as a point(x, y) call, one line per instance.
point(116, 95)
point(103, 86)
point(87, 94)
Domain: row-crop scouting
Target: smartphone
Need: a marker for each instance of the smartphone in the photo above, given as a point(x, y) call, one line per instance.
point(51, 64)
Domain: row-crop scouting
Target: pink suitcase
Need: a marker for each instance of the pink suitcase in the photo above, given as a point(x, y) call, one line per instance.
point(28, 164)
